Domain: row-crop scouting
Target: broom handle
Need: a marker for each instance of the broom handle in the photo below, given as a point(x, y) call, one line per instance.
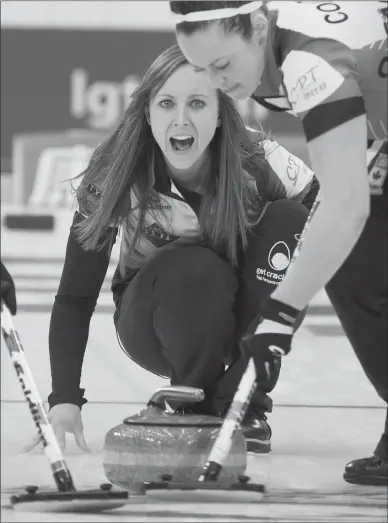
point(241, 400)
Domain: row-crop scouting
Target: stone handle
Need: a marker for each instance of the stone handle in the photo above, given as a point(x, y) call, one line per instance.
point(178, 393)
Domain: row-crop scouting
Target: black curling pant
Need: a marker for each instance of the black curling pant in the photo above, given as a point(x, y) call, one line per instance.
point(183, 313)
point(358, 292)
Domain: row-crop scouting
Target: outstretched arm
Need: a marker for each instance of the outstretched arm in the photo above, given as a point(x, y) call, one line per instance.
point(339, 161)
point(82, 277)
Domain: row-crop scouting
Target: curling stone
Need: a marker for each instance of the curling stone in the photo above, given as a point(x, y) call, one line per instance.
point(157, 444)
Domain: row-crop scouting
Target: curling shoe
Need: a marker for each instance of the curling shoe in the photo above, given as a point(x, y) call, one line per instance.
point(367, 471)
point(257, 432)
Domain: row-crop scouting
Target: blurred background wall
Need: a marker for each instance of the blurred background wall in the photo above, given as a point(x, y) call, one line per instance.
point(67, 73)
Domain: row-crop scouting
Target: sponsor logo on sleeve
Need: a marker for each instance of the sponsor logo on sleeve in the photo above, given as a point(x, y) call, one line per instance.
point(279, 258)
point(309, 80)
point(293, 168)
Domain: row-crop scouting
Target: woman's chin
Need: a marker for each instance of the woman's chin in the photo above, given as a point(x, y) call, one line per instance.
point(181, 160)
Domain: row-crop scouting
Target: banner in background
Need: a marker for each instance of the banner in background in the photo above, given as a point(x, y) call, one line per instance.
point(55, 80)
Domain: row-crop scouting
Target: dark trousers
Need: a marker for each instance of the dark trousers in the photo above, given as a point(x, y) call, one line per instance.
point(358, 292)
point(182, 315)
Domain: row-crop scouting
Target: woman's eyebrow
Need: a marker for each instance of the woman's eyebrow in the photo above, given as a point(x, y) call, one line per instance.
point(193, 95)
point(164, 94)
point(198, 69)
point(198, 94)
point(217, 60)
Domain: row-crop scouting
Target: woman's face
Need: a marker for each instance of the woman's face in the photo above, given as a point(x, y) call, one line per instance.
point(183, 116)
point(232, 63)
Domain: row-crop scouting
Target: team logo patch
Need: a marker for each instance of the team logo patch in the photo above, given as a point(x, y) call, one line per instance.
point(156, 202)
point(157, 236)
point(309, 80)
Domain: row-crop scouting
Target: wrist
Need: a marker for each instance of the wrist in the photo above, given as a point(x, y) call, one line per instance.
point(285, 294)
point(275, 310)
point(57, 398)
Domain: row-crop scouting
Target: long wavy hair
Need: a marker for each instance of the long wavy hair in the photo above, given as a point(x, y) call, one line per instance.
point(130, 160)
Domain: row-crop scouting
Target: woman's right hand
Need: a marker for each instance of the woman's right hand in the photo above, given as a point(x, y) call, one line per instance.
point(65, 417)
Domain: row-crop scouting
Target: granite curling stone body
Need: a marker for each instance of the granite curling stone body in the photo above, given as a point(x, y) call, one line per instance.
point(154, 443)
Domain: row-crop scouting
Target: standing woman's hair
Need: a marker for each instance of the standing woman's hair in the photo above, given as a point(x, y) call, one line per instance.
point(127, 162)
point(239, 24)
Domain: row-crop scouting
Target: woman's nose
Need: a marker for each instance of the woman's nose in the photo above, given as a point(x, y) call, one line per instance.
point(181, 116)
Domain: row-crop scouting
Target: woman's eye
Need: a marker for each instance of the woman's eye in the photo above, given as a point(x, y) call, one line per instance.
point(166, 104)
point(197, 104)
point(222, 67)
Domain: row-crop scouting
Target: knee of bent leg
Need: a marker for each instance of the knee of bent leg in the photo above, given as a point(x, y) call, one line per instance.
point(278, 231)
point(282, 219)
point(287, 210)
point(188, 265)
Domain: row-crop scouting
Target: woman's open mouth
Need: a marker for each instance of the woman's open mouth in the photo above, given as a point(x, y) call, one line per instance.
point(181, 143)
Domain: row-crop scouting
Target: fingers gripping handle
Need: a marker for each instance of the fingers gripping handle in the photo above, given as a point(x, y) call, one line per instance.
point(46, 433)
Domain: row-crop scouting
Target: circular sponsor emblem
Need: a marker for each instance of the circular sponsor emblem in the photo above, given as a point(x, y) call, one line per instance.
point(279, 257)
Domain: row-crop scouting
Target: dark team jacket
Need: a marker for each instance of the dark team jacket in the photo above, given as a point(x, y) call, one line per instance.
point(172, 217)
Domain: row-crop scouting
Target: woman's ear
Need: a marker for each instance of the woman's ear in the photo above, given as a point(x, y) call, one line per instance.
point(218, 121)
point(260, 27)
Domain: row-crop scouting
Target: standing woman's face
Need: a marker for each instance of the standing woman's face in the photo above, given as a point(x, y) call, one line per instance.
point(184, 116)
point(233, 64)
